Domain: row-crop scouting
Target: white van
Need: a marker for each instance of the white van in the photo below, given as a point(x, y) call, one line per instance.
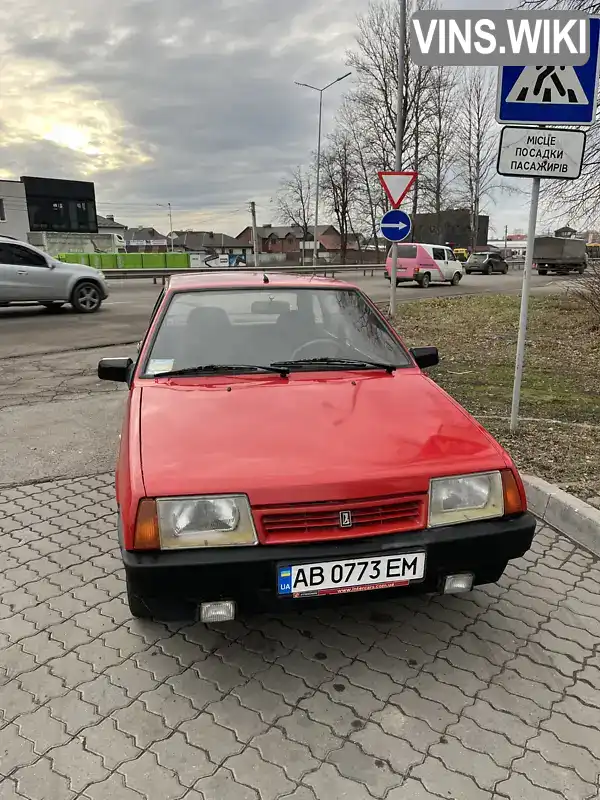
point(425, 264)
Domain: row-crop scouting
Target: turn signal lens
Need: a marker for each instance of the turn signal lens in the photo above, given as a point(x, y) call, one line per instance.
point(146, 535)
point(513, 503)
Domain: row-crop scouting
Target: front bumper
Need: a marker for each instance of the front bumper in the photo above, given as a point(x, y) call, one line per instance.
point(248, 575)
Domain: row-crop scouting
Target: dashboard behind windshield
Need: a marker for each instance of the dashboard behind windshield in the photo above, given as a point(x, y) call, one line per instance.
point(262, 326)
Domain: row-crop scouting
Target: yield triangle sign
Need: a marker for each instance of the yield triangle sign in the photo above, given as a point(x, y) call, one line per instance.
point(397, 185)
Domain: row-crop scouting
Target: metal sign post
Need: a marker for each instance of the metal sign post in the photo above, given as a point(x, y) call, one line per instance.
point(396, 185)
point(520, 359)
point(399, 135)
point(531, 98)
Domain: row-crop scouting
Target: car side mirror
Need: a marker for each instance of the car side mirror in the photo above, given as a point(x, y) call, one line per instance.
point(115, 369)
point(424, 356)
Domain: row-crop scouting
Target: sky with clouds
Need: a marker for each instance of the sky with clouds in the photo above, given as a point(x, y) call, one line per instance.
point(190, 102)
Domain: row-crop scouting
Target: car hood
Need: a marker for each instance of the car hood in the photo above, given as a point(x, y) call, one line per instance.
point(307, 439)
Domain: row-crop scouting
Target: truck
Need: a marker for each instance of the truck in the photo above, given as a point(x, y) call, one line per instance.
point(553, 254)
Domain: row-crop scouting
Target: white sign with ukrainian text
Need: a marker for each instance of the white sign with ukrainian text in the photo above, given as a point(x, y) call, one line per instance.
point(540, 152)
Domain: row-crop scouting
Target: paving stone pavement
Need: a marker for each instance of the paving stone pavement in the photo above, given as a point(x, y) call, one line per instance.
point(495, 694)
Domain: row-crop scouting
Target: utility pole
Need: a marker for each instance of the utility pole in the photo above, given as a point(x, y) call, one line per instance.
point(505, 238)
point(399, 137)
point(171, 231)
point(254, 232)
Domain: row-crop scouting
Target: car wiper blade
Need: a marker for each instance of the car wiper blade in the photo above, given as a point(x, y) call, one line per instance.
point(336, 362)
point(216, 368)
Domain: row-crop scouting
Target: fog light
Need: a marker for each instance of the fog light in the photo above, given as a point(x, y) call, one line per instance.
point(455, 584)
point(223, 611)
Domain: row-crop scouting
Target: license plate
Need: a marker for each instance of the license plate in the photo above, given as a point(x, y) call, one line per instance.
point(350, 575)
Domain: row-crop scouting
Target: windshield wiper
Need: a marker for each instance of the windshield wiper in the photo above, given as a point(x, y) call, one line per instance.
point(351, 363)
point(221, 368)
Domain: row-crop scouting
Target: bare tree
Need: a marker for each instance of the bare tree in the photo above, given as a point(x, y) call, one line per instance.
point(368, 203)
point(589, 6)
point(577, 200)
point(440, 136)
point(477, 144)
point(294, 201)
point(339, 184)
point(375, 64)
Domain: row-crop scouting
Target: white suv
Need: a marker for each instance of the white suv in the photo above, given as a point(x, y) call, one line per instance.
point(29, 274)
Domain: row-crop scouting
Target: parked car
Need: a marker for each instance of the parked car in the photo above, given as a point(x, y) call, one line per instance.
point(29, 274)
point(486, 263)
point(281, 444)
point(425, 264)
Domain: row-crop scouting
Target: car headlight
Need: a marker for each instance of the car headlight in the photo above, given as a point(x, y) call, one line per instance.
point(465, 498)
point(185, 522)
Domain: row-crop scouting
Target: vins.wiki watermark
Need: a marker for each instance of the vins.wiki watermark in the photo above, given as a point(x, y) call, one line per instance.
point(496, 38)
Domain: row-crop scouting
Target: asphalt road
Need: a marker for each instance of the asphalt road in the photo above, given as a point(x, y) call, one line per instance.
point(58, 420)
point(29, 330)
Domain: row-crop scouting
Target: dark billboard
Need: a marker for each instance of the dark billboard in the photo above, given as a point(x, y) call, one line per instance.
point(449, 227)
point(61, 206)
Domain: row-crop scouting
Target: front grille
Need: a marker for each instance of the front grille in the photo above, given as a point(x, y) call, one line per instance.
point(321, 521)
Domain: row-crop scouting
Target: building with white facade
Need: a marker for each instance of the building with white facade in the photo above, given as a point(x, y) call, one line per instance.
point(14, 219)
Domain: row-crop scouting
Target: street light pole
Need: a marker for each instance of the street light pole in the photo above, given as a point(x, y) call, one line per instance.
point(318, 186)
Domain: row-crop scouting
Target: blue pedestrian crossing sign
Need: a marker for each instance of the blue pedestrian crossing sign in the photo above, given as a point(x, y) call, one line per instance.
point(551, 95)
point(395, 225)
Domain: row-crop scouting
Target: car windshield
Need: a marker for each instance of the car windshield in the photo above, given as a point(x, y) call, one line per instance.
point(254, 327)
point(478, 258)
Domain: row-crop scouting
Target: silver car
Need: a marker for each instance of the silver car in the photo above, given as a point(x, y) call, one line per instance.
point(29, 274)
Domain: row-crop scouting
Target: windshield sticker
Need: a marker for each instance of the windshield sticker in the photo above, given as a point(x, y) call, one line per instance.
point(157, 365)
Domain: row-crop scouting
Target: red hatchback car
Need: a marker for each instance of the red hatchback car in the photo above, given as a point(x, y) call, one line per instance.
point(280, 443)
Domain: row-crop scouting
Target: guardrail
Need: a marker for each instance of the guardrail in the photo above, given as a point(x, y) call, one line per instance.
point(324, 270)
point(164, 274)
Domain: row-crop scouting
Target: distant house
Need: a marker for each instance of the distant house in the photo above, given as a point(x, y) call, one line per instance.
point(590, 236)
point(145, 240)
point(273, 238)
point(330, 241)
point(565, 232)
point(289, 239)
point(108, 224)
point(218, 243)
point(14, 220)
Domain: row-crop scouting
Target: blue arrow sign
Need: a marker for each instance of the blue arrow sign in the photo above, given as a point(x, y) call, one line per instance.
point(395, 225)
point(551, 95)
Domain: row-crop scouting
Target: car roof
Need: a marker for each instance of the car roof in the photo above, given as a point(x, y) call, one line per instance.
point(424, 244)
point(247, 280)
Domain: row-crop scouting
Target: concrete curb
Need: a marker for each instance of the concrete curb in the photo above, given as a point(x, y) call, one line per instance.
point(565, 513)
